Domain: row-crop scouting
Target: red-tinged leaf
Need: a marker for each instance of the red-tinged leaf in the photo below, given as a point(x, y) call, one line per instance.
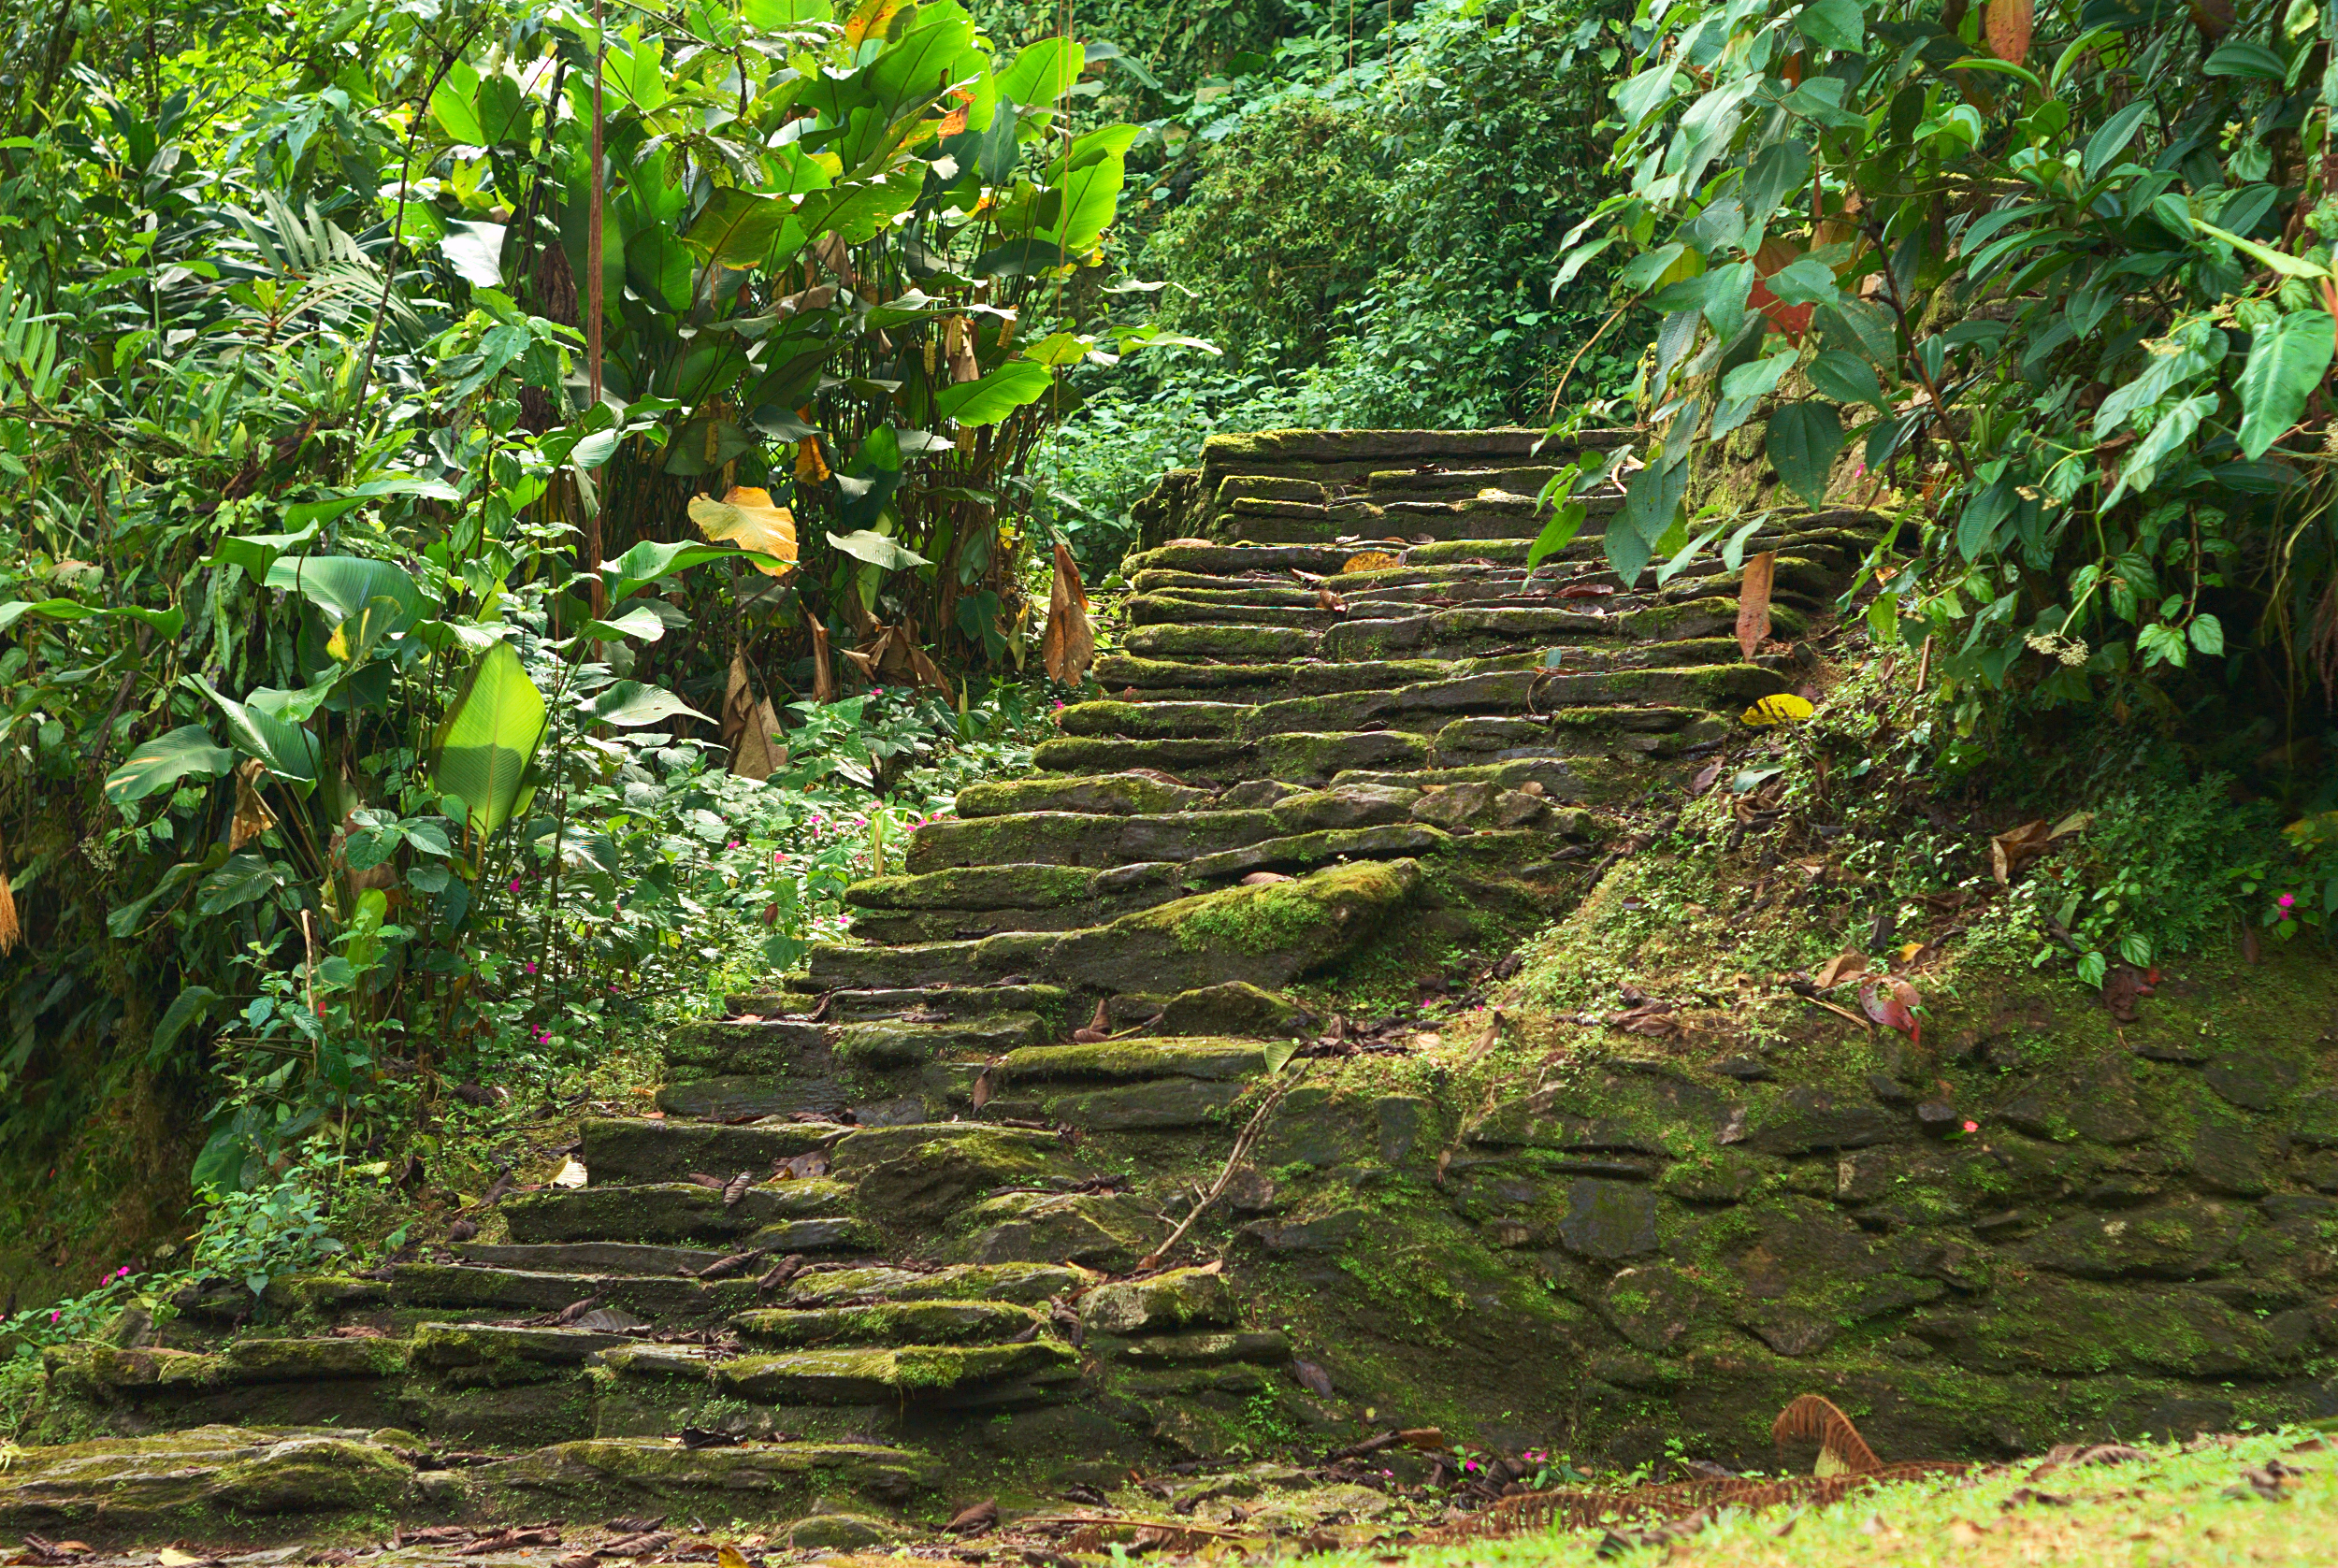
point(1792, 320)
point(1705, 778)
point(2007, 25)
point(1892, 1002)
point(1585, 591)
point(1754, 601)
point(974, 1521)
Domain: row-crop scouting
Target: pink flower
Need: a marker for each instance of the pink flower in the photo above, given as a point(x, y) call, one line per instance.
point(1972, 1126)
point(123, 1273)
point(515, 885)
point(733, 845)
point(54, 1315)
point(2287, 904)
point(528, 968)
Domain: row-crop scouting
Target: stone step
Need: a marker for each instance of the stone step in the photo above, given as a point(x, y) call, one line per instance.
point(1455, 484)
point(1021, 1284)
point(1226, 644)
point(935, 1375)
point(1101, 794)
point(669, 1212)
point(639, 1151)
point(763, 1043)
point(1318, 920)
point(529, 1292)
point(888, 1323)
point(916, 1005)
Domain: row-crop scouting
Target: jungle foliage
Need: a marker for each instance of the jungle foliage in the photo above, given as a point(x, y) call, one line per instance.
point(424, 430)
point(2060, 277)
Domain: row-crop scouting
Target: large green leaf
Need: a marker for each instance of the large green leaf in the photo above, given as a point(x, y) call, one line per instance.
point(735, 227)
point(1650, 504)
point(165, 760)
point(488, 743)
point(243, 879)
point(650, 562)
point(931, 57)
point(343, 586)
point(283, 747)
point(1041, 73)
point(1802, 442)
point(990, 398)
point(867, 544)
point(2287, 361)
point(629, 704)
point(168, 622)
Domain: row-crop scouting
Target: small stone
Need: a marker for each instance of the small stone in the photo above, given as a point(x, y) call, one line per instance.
point(1609, 1219)
point(1938, 1118)
point(1745, 1069)
point(2229, 1157)
point(838, 1533)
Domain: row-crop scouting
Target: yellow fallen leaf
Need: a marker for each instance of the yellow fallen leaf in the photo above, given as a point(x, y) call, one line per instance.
point(1371, 560)
point(729, 1557)
point(172, 1557)
point(747, 518)
point(1783, 708)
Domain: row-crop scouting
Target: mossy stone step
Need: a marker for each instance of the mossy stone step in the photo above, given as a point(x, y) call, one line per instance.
point(244, 1363)
point(1166, 680)
point(1290, 854)
point(536, 1290)
point(1066, 839)
point(1118, 793)
point(762, 1044)
point(1155, 720)
point(1266, 935)
point(496, 1353)
point(1296, 757)
point(1226, 644)
point(629, 1151)
point(716, 1096)
point(1136, 1060)
point(756, 1481)
point(588, 1257)
point(1048, 1002)
point(1022, 1284)
point(269, 1477)
point(884, 1323)
point(934, 1373)
point(1254, 608)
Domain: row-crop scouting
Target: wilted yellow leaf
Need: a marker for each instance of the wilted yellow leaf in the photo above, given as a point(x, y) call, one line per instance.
point(1785, 708)
point(727, 1555)
point(747, 518)
point(1371, 560)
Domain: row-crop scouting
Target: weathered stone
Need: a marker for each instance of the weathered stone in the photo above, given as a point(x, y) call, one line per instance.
point(2253, 1080)
point(2229, 1157)
point(916, 1175)
point(1653, 1306)
point(1330, 1234)
point(2314, 1121)
point(871, 1375)
point(667, 1211)
point(1108, 1231)
point(620, 1151)
point(1162, 1303)
point(143, 1483)
point(1804, 1118)
point(1345, 806)
point(2184, 1238)
point(1106, 795)
point(1609, 1219)
point(1023, 1284)
point(888, 1323)
point(1463, 806)
point(1235, 1008)
point(840, 1532)
point(1263, 1347)
point(1722, 1175)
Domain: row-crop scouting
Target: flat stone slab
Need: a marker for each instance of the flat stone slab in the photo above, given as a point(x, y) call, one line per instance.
point(1023, 1284)
point(667, 1212)
point(887, 1323)
point(865, 1376)
point(137, 1483)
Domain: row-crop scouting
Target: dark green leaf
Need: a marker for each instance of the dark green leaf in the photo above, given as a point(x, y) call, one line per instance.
point(1802, 441)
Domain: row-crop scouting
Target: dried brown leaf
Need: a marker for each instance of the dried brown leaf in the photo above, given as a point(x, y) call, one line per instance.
point(2007, 23)
point(1068, 647)
point(1754, 601)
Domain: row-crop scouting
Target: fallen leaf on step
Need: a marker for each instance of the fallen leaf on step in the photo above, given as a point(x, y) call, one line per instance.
point(1326, 599)
point(575, 1310)
point(1754, 601)
point(1099, 1028)
point(727, 1555)
point(172, 1557)
point(610, 1320)
point(641, 1545)
point(1314, 1379)
point(704, 1180)
point(461, 1230)
point(1840, 968)
point(571, 1173)
point(695, 1438)
point(1263, 879)
point(2124, 986)
point(982, 1087)
point(737, 1188)
point(782, 1272)
point(1891, 1002)
point(1487, 1039)
point(1706, 777)
point(1584, 591)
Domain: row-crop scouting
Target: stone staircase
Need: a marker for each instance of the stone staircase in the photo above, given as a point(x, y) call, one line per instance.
point(875, 1228)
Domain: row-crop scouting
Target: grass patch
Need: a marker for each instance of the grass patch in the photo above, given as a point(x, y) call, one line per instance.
point(2173, 1507)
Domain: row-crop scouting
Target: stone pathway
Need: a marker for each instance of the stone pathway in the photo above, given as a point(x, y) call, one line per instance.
point(872, 1231)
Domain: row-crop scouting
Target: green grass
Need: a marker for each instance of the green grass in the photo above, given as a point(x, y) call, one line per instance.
point(2193, 1509)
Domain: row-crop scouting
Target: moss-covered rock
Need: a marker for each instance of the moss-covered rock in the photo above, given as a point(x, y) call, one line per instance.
point(1106, 1232)
point(1023, 1284)
point(1164, 1302)
point(192, 1477)
point(667, 1211)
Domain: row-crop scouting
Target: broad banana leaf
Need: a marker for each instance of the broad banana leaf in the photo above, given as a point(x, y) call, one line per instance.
point(486, 748)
